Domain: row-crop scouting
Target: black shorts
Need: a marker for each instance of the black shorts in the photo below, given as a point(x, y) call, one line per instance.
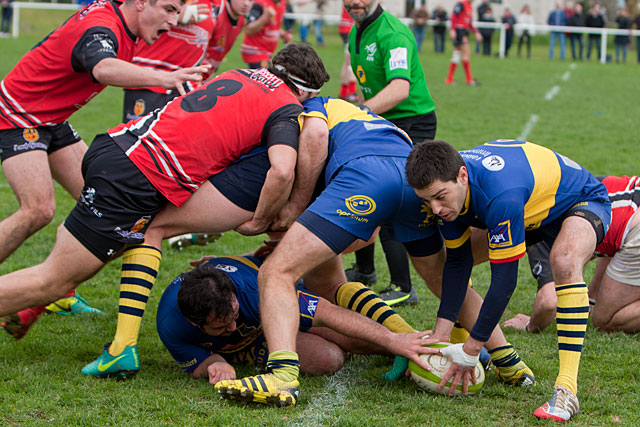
point(539, 262)
point(117, 202)
point(139, 102)
point(241, 182)
point(344, 37)
point(419, 127)
point(47, 138)
point(462, 37)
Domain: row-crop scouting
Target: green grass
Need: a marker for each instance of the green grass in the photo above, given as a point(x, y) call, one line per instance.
point(592, 119)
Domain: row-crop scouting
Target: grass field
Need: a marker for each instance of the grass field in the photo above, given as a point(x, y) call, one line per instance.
point(592, 118)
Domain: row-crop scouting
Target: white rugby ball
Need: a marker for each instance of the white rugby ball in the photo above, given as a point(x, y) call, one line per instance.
point(429, 380)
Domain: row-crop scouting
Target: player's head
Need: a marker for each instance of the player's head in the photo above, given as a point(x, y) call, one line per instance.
point(238, 8)
point(300, 67)
point(207, 299)
point(359, 10)
point(438, 174)
point(154, 18)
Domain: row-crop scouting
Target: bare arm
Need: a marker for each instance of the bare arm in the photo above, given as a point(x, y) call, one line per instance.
point(275, 191)
point(312, 154)
point(115, 72)
point(394, 93)
point(215, 368)
point(255, 26)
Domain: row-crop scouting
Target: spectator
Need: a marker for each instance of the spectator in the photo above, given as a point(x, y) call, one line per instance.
point(287, 23)
point(482, 9)
point(7, 14)
point(526, 29)
point(622, 40)
point(594, 20)
point(420, 17)
point(510, 21)
point(576, 20)
point(487, 33)
point(557, 18)
point(319, 21)
point(440, 27)
point(636, 22)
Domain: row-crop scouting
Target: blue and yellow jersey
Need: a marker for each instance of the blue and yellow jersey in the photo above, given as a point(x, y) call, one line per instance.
point(514, 187)
point(354, 132)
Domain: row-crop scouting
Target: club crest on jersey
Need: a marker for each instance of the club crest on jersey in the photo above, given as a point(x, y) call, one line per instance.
point(220, 42)
point(501, 235)
point(360, 73)
point(360, 205)
point(430, 218)
point(227, 268)
point(371, 50)
point(138, 108)
point(30, 134)
point(141, 224)
point(493, 163)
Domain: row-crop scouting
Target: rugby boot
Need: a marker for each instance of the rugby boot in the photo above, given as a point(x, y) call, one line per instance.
point(265, 388)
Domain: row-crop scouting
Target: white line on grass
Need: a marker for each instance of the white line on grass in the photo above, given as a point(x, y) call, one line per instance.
point(566, 76)
point(527, 128)
point(553, 92)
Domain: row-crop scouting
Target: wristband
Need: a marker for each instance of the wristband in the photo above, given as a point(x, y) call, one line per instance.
point(365, 108)
point(526, 327)
point(457, 354)
point(592, 301)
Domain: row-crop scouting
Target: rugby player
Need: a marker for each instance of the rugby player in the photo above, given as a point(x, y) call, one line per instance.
point(58, 76)
point(614, 291)
point(461, 24)
point(263, 31)
point(520, 192)
point(132, 171)
point(209, 320)
point(361, 158)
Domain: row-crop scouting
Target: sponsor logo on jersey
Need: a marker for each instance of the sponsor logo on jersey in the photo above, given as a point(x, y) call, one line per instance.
point(138, 108)
point(398, 58)
point(227, 268)
point(567, 161)
point(360, 73)
point(360, 205)
point(371, 50)
point(141, 224)
point(501, 235)
point(493, 163)
point(430, 218)
point(30, 134)
point(220, 41)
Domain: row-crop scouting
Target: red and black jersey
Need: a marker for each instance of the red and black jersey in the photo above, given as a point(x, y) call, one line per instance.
point(346, 22)
point(199, 134)
point(624, 193)
point(462, 16)
point(182, 46)
point(54, 79)
point(225, 33)
point(260, 46)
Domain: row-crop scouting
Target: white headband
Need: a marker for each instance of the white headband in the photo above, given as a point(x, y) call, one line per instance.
point(297, 81)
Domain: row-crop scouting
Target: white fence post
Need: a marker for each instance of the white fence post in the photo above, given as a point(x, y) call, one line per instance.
point(15, 20)
point(603, 47)
point(503, 40)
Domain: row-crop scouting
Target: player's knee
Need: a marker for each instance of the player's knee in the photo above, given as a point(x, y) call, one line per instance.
point(38, 215)
point(335, 358)
point(601, 319)
point(547, 301)
point(565, 267)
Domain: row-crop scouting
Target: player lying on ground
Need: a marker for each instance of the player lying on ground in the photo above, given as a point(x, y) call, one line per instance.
point(168, 155)
point(209, 320)
point(520, 192)
point(614, 290)
point(61, 74)
point(360, 193)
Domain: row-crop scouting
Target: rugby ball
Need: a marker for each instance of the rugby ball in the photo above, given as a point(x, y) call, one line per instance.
point(429, 380)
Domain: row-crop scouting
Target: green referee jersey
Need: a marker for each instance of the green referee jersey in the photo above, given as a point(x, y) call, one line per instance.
point(383, 49)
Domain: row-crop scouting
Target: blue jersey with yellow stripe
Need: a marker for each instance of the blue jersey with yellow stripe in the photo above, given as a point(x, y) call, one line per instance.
point(514, 187)
point(354, 132)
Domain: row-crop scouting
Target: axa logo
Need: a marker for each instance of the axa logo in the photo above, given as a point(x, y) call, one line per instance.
point(501, 235)
point(311, 307)
point(360, 205)
point(371, 50)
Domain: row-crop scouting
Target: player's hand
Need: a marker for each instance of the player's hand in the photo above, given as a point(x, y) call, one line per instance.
point(269, 12)
point(220, 371)
point(287, 215)
point(412, 346)
point(252, 228)
point(266, 249)
point(452, 34)
point(192, 13)
point(286, 36)
point(176, 79)
point(202, 260)
point(478, 37)
point(520, 321)
point(461, 371)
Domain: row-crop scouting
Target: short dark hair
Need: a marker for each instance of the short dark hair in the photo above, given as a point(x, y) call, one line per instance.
point(432, 160)
point(300, 60)
point(205, 292)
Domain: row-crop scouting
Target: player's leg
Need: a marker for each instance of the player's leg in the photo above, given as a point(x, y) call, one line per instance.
point(66, 167)
point(319, 355)
point(571, 250)
point(466, 64)
point(30, 179)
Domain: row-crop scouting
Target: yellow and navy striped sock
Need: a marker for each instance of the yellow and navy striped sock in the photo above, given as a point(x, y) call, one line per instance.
point(506, 358)
point(140, 265)
point(284, 364)
point(458, 334)
point(571, 320)
point(356, 297)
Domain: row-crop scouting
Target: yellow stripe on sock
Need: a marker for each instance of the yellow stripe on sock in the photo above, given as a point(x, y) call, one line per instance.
point(573, 308)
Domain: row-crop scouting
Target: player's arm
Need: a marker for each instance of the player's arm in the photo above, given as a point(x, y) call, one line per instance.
point(258, 18)
point(215, 368)
point(312, 154)
point(282, 139)
point(393, 94)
